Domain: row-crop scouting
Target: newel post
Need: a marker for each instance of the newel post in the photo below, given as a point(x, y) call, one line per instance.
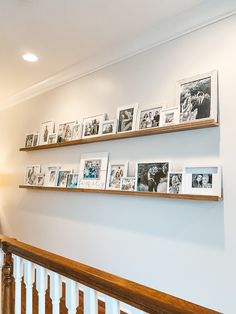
point(7, 271)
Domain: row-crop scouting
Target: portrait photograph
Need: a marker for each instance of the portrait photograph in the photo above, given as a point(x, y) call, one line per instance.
point(116, 170)
point(76, 131)
point(51, 175)
point(62, 178)
point(31, 174)
point(46, 129)
point(93, 170)
point(40, 179)
point(202, 180)
point(36, 139)
point(149, 118)
point(52, 138)
point(128, 183)
point(29, 140)
point(92, 125)
point(109, 127)
point(127, 117)
point(175, 182)
point(197, 97)
point(152, 176)
point(72, 180)
point(65, 131)
point(170, 116)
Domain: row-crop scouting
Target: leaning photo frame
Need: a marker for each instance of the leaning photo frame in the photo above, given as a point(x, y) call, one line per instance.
point(127, 117)
point(116, 170)
point(92, 125)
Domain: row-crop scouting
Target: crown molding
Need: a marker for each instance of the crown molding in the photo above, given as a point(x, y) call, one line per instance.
point(183, 24)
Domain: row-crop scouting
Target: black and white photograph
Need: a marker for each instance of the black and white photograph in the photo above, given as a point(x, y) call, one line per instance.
point(93, 170)
point(128, 183)
point(152, 176)
point(175, 182)
point(109, 127)
point(46, 129)
point(65, 131)
point(76, 131)
point(116, 170)
point(51, 175)
point(36, 140)
point(40, 179)
point(198, 97)
point(170, 116)
point(149, 118)
point(62, 177)
point(127, 116)
point(31, 174)
point(92, 125)
point(29, 140)
point(72, 180)
point(202, 180)
point(52, 138)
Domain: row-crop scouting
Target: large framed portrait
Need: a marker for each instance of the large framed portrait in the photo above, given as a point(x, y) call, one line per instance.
point(116, 170)
point(65, 130)
point(202, 180)
point(127, 117)
point(149, 118)
point(51, 175)
point(92, 125)
point(47, 128)
point(175, 182)
point(93, 170)
point(31, 174)
point(62, 178)
point(109, 127)
point(152, 176)
point(29, 140)
point(198, 97)
point(128, 183)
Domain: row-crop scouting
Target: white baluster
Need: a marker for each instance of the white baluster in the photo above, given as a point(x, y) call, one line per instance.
point(90, 301)
point(1, 264)
point(41, 286)
point(29, 280)
point(72, 298)
point(18, 273)
point(55, 292)
point(112, 305)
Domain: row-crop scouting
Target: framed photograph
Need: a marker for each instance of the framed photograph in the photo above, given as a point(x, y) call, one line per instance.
point(31, 174)
point(52, 176)
point(197, 97)
point(72, 180)
point(29, 140)
point(76, 131)
point(128, 183)
point(175, 182)
point(36, 139)
point(62, 178)
point(92, 125)
point(52, 138)
point(47, 128)
point(127, 117)
point(65, 131)
point(170, 116)
point(152, 176)
point(109, 127)
point(202, 180)
point(116, 170)
point(93, 170)
point(149, 118)
point(40, 179)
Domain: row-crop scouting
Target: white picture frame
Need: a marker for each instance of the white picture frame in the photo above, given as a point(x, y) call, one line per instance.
point(116, 170)
point(109, 127)
point(62, 177)
point(202, 180)
point(52, 138)
point(30, 174)
point(72, 180)
point(92, 126)
point(47, 128)
point(192, 104)
point(77, 131)
point(128, 184)
point(40, 179)
point(29, 140)
point(148, 119)
point(175, 182)
point(152, 176)
point(170, 116)
point(52, 175)
point(64, 132)
point(93, 170)
point(36, 140)
point(126, 117)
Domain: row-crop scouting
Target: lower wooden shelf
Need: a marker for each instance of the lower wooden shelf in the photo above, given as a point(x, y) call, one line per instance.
point(118, 192)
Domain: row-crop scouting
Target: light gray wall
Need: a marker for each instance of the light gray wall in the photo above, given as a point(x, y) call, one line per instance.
point(185, 248)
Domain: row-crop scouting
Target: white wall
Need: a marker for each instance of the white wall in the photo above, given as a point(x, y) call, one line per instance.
point(185, 248)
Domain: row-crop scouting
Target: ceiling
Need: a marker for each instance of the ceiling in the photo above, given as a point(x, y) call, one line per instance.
point(76, 37)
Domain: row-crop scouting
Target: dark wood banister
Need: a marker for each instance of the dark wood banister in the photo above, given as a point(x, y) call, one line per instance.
point(139, 296)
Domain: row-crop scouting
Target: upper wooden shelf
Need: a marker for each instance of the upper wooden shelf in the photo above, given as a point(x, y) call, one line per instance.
point(159, 130)
point(119, 192)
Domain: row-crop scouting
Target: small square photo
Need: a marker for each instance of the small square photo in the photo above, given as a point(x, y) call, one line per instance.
point(128, 183)
point(29, 140)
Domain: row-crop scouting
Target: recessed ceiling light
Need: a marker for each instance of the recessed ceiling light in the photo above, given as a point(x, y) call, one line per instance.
point(30, 57)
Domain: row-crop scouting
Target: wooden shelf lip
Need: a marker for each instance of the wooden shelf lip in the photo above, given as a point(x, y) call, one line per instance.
point(119, 192)
point(208, 123)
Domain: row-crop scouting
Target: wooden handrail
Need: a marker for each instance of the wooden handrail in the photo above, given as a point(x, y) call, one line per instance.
point(139, 296)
